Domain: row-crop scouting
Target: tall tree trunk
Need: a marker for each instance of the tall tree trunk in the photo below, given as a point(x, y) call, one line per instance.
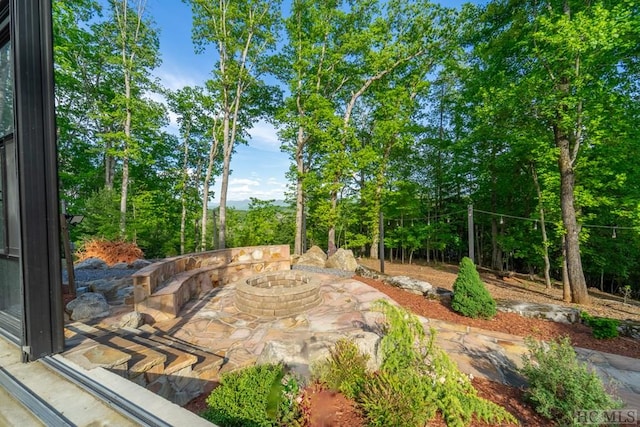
point(185, 178)
point(579, 294)
point(331, 240)
point(109, 168)
point(226, 162)
point(125, 160)
point(566, 286)
point(495, 264)
point(377, 203)
point(298, 243)
point(213, 152)
point(128, 61)
point(543, 230)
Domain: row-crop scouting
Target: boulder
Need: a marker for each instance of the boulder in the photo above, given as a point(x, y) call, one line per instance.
point(108, 288)
point(369, 273)
point(88, 306)
point(369, 343)
point(132, 319)
point(287, 353)
point(314, 257)
point(91, 264)
point(120, 266)
point(630, 328)
point(409, 284)
point(343, 259)
point(125, 294)
point(553, 312)
point(140, 263)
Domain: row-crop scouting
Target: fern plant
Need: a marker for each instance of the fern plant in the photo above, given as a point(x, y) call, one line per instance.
point(345, 370)
point(428, 379)
point(257, 396)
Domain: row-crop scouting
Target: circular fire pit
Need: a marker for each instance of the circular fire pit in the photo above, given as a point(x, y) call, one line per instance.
point(277, 294)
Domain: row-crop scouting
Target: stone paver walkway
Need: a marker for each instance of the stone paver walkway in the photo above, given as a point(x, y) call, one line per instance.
point(214, 322)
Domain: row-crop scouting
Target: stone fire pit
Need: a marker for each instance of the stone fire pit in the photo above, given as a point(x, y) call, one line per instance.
point(278, 294)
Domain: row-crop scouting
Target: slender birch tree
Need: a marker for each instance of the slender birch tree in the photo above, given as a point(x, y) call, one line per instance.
point(242, 32)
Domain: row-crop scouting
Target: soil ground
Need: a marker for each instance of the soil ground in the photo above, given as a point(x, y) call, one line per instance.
point(332, 409)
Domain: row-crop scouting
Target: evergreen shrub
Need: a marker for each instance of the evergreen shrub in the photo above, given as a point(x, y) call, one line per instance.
point(559, 385)
point(257, 396)
point(470, 296)
point(601, 327)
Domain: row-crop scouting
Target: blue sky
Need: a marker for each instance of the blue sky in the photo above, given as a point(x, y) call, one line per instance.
point(258, 170)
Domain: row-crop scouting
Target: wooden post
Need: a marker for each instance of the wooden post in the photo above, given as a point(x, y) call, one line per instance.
point(471, 233)
point(381, 241)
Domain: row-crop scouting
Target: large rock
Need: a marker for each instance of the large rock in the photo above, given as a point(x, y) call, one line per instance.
point(120, 266)
point(132, 319)
point(553, 312)
point(108, 288)
point(369, 343)
point(287, 353)
point(409, 284)
point(91, 264)
point(343, 259)
point(140, 263)
point(301, 356)
point(111, 288)
point(314, 257)
point(369, 273)
point(88, 306)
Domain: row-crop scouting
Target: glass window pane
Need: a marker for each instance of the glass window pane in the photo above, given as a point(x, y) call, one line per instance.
point(10, 296)
point(2, 218)
point(12, 200)
point(6, 90)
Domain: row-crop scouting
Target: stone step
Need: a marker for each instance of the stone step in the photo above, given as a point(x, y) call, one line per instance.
point(89, 354)
point(143, 358)
point(176, 359)
point(173, 369)
point(208, 363)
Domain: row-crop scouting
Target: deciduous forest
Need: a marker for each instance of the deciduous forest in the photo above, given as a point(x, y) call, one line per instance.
point(396, 114)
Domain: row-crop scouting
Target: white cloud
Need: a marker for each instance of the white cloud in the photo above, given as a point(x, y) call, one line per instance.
point(176, 80)
point(243, 182)
point(264, 136)
point(245, 188)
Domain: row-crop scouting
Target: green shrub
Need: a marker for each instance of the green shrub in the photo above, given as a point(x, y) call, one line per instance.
point(397, 399)
point(257, 396)
point(345, 370)
point(470, 297)
point(601, 327)
point(417, 378)
point(559, 384)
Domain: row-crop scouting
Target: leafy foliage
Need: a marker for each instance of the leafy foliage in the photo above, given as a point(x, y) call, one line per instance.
point(559, 384)
point(345, 370)
point(470, 297)
point(402, 108)
point(417, 378)
point(257, 396)
point(602, 327)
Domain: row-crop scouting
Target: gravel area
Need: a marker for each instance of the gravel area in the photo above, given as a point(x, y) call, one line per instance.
point(88, 275)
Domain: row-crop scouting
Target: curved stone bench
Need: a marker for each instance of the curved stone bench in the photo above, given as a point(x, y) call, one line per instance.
point(163, 288)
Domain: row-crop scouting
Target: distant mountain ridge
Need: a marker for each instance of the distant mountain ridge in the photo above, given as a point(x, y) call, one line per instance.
point(243, 205)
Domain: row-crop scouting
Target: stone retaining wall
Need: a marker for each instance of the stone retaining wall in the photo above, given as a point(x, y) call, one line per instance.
point(162, 288)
